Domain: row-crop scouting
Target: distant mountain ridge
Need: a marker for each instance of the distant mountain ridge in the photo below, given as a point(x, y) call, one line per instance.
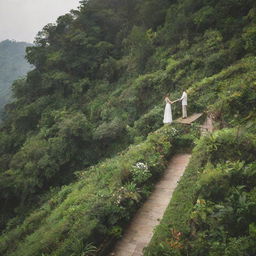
point(12, 66)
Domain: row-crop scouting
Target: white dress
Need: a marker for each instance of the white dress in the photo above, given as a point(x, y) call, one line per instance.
point(167, 113)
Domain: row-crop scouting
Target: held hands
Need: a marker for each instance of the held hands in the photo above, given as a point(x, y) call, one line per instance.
point(171, 102)
point(175, 101)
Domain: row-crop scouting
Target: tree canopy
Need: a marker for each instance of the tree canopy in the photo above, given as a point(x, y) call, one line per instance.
point(99, 76)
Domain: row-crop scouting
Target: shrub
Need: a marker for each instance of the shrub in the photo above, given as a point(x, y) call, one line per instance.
point(249, 37)
point(95, 208)
point(216, 197)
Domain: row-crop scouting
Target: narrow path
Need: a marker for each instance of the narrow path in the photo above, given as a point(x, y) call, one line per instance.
point(140, 231)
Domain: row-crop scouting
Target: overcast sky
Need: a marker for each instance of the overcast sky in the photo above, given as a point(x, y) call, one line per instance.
point(20, 20)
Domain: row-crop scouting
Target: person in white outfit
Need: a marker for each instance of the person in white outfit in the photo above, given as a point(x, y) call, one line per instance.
point(167, 111)
point(184, 102)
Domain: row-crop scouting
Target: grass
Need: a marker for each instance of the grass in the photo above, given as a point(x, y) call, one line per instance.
point(175, 229)
point(93, 210)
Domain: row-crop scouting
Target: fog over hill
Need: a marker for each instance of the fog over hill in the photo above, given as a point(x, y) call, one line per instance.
point(13, 65)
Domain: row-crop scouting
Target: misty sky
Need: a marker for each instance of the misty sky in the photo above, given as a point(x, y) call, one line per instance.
point(20, 20)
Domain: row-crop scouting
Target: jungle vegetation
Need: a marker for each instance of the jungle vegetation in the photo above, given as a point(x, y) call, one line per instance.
point(82, 143)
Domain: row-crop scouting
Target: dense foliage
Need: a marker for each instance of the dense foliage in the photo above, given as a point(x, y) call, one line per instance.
point(93, 210)
point(98, 84)
point(213, 209)
point(12, 66)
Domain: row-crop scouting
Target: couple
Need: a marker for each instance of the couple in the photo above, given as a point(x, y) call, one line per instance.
point(168, 108)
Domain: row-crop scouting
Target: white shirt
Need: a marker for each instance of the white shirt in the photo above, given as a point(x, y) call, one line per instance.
point(184, 99)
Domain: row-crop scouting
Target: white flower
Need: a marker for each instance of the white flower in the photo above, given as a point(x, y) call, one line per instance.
point(174, 131)
point(141, 166)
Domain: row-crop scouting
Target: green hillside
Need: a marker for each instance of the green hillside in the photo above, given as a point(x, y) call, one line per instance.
point(12, 66)
point(92, 109)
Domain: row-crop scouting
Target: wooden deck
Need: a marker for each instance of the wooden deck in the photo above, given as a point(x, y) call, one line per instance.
point(190, 119)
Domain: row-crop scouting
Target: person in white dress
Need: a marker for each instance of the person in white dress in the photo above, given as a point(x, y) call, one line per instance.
point(167, 111)
point(184, 102)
